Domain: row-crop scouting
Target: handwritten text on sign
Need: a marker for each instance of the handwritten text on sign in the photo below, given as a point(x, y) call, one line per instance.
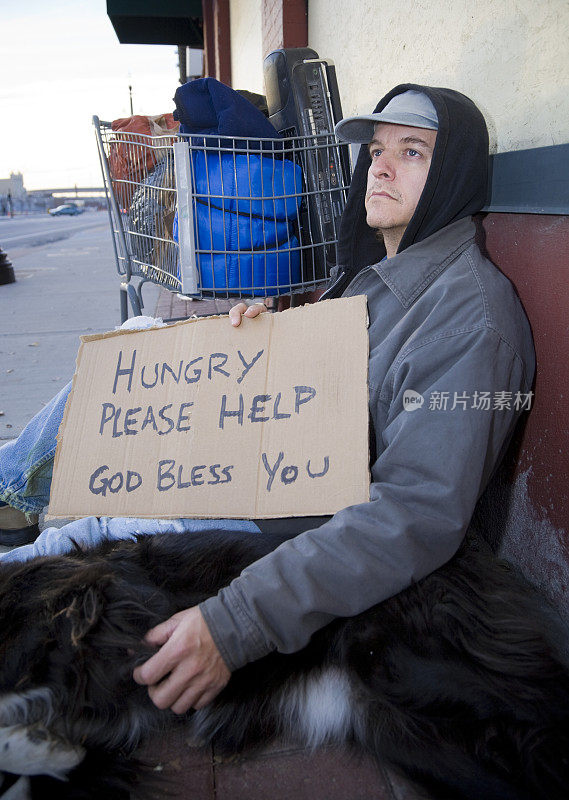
point(201, 419)
point(116, 421)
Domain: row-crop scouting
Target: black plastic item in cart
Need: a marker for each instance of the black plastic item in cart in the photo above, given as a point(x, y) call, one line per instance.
point(303, 100)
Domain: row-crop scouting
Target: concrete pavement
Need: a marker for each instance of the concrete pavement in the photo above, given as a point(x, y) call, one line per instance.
point(63, 288)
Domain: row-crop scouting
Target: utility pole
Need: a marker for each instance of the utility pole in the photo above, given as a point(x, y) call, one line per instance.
point(182, 63)
point(130, 96)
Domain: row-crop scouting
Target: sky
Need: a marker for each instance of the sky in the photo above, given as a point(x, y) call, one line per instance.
point(61, 62)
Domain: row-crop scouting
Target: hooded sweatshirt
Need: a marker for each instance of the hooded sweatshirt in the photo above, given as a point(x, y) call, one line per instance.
point(456, 188)
point(445, 326)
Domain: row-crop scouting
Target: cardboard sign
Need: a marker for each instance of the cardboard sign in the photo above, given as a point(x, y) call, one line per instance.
point(200, 419)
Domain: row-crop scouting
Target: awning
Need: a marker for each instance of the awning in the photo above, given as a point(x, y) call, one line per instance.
point(150, 22)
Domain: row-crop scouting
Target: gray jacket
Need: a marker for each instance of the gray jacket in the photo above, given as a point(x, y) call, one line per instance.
point(445, 326)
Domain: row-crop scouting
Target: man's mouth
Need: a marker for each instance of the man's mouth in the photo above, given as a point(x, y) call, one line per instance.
point(381, 193)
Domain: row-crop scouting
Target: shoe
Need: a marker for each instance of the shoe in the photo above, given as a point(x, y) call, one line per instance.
point(17, 529)
point(19, 536)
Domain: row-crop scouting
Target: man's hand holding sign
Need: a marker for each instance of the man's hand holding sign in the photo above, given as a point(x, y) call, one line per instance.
point(243, 310)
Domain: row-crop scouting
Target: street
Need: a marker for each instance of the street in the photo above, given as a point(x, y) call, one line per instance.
point(36, 229)
point(66, 285)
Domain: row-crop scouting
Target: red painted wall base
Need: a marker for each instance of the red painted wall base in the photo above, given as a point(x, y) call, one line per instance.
point(527, 505)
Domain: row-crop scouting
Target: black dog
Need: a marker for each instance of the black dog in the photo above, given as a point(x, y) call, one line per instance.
point(457, 682)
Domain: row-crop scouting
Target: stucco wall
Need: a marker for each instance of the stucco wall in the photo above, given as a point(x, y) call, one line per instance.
point(246, 45)
point(510, 56)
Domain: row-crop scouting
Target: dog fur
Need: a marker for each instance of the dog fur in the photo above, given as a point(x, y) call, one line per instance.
point(459, 682)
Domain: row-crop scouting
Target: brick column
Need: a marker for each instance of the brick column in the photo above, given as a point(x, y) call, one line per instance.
point(285, 24)
point(217, 40)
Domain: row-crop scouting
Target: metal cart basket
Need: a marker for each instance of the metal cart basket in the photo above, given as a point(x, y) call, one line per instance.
point(216, 217)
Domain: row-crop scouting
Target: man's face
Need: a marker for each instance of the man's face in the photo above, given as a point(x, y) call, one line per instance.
point(400, 161)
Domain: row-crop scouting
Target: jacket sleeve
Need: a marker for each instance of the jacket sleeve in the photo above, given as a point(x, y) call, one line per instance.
point(432, 464)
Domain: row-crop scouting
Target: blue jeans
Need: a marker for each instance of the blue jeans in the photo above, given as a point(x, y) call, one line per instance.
point(26, 463)
point(26, 466)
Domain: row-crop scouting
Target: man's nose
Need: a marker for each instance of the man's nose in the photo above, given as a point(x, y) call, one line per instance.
point(382, 166)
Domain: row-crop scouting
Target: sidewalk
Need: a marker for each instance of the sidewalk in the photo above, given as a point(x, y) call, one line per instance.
point(278, 773)
point(63, 288)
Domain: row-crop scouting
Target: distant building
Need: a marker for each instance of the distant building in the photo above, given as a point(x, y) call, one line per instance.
point(13, 185)
point(13, 196)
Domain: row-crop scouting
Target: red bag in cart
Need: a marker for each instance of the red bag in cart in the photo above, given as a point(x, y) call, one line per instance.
point(131, 158)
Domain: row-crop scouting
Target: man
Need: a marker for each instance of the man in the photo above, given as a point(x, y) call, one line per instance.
point(451, 364)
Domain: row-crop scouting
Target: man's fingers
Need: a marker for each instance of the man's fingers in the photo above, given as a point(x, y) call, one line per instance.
point(151, 671)
point(186, 701)
point(175, 693)
point(157, 666)
point(255, 310)
point(236, 313)
point(197, 695)
point(205, 698)
point(166, 693)
point(161, 633)
point(179, 692)
point(192, 698)
point(189, 696)
point(243, 310)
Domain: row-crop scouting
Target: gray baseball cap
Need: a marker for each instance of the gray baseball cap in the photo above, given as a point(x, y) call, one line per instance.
point(409, 108)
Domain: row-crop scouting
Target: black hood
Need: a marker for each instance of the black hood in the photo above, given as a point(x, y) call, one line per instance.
point(456, 186)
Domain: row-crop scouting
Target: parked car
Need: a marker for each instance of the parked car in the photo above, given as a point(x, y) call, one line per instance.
point(69, 209)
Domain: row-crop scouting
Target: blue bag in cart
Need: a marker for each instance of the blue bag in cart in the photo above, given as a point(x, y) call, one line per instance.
point(246, 195)
point(245, 208)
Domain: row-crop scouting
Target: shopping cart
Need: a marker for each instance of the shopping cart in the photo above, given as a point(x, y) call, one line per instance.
point(211, 217)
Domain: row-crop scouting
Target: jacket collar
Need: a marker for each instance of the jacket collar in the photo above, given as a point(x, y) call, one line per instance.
point(409, 273)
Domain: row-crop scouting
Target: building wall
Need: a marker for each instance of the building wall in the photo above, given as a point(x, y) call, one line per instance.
point(246, 45)
point(510, 56)
point(531, 508)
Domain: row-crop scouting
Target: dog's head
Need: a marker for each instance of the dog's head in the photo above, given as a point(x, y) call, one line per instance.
point(56, 613)
point(72, 632)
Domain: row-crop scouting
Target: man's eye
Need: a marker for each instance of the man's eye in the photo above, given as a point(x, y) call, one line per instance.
point(375, 153)
point(413, 153)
